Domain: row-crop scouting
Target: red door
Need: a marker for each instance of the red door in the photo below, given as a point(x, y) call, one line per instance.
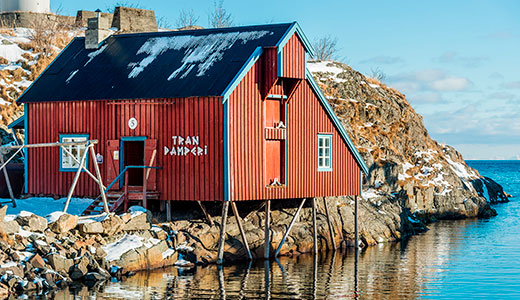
point(112, 162)
point(150, 146)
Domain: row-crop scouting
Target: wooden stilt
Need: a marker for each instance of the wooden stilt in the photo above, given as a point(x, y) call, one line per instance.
point(168, 210)
point(254, 212)
point(100, 180)
point(4, 164)
point(222, 239)
point(356, 233)
point(75, 181)
point(162, 206)
point(242, 232)
point(125, 189)
point(206, 214)
point(267, 278)
point(7, 181)
point(295, 217)
point(78, 162)
point(314, 227)
point(267, 241)
point(145, 189)
point(221, 282)
point(331, 230)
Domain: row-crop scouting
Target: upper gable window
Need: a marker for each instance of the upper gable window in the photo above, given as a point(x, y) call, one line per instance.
point(324, 152)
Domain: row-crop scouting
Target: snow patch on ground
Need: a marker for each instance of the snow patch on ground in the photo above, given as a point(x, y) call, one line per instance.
point(440, 181)
point(370, 194)
point(403, 176)
point(53, 217)
point(463, 172)
point(460, 169)
point(184, 247)
point(45, 206)
point(116, 249)
point(169, 252)
point(426, 155)
point(327, 69)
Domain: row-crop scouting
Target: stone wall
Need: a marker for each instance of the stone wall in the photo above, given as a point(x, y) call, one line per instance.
point(129, 20)
point(30, 19)
point(83, 15)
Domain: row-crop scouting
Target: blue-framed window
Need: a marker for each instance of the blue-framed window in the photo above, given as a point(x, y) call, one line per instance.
point(67, 164)
point(324, 152)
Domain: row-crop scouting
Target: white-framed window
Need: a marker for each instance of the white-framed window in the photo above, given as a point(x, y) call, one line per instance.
point(67, 163)
point(324, 152)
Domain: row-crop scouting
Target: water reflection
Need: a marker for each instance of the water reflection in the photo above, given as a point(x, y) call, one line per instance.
point(440, 263)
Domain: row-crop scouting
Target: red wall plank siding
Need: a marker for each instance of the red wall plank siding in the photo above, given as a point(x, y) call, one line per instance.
point(294, 58)
point(182, 177)
point(306, 117)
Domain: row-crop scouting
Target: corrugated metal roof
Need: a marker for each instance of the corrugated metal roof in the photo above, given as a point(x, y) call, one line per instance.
point(152, 65)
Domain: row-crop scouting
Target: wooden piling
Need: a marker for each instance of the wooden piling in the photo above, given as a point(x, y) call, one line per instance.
point(295, 217)
point(314, 227)
point(206, 214)
point(145, 188)
point(331, 230)
point(267, 228)
point(100, 180)
point(75, 181)
point(356, 234)
point(242, 232)
point(222, 239)
point(168, 210)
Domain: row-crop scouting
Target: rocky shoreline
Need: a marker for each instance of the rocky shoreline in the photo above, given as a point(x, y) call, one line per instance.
point(39, 254)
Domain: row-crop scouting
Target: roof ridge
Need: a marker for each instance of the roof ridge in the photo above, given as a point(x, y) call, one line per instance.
point(205, 30)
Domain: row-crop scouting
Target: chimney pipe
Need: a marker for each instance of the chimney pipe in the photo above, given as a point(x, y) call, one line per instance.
point(96, 32)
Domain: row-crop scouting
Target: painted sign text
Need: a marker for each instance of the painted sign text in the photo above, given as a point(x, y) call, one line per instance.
point(185, 145)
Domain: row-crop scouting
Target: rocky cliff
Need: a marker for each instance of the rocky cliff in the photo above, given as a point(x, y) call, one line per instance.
point(406, 165)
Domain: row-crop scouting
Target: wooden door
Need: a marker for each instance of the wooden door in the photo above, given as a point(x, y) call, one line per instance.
point(112, 162)
point(149, 146)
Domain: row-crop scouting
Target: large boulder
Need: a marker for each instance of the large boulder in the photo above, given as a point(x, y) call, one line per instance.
point(31, 222)
point(59, 262)
point(137, 221)
point(112, 224)
point(11, 227)
point(3, 210)
point(37, 261)
point(91, 227)
point(61, 222)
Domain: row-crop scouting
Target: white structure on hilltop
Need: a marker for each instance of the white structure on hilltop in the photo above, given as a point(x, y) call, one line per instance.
point(39, 6)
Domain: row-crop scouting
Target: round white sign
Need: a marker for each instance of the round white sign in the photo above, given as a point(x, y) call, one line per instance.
point(132, 123)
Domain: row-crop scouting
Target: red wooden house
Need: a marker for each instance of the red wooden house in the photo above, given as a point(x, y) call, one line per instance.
point(232, 113)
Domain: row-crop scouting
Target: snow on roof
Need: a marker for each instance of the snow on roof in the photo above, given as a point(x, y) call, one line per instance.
point(153, 65)
point(199, 51)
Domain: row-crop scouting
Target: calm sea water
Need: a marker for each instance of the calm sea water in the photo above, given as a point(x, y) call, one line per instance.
point(468, 259)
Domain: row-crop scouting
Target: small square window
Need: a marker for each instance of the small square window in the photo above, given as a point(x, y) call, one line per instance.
point(67, 163)
point(324, 152)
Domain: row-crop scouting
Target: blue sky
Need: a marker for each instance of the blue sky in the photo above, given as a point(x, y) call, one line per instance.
point(458, 62)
